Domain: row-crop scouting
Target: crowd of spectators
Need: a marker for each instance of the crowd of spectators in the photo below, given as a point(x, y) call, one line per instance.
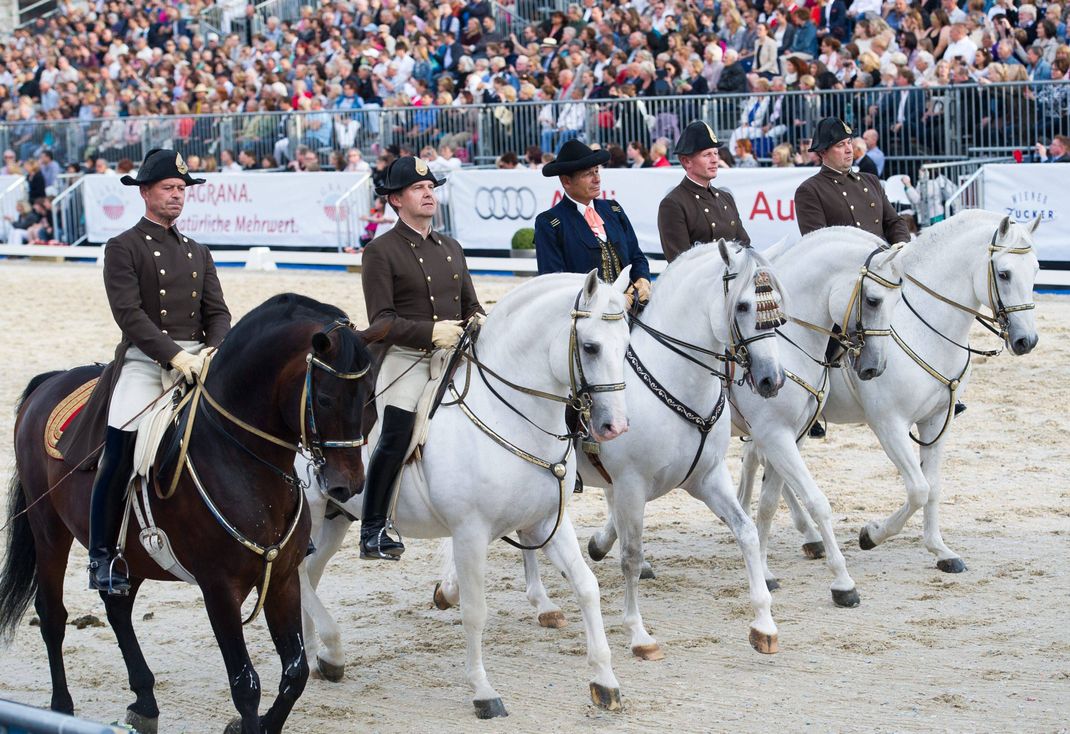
point(383, 76)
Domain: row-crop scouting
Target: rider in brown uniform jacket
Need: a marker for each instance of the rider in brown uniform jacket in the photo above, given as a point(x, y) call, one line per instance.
point(166, 298)
point(697, 211)
point(416, 283)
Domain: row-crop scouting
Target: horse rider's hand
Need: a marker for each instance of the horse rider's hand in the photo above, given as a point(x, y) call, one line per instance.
point(642, 288)
point(186, 363)
point(477, 319)
point(446, 334)
point(202, 357)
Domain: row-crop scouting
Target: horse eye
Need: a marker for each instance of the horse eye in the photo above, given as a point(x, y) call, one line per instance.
point(873, 302)
point(323, 401)
point(591, 348)
point(1004, 275)
point(743, 307)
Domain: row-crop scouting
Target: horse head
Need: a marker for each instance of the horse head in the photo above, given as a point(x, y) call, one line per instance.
point(599, 343)
point(867, 322)
point(1006, 285)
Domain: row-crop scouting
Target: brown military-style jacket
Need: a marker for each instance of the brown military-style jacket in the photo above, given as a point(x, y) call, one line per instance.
point(830, 198)
point(410, 282)
point(691, 213)
point(162, 288)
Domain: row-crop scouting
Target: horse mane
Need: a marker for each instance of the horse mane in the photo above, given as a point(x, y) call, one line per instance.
point(933, 241)
point(289, 308)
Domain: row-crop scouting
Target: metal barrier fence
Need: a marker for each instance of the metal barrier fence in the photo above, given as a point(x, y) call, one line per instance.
point(21, 719)
point(915, 125)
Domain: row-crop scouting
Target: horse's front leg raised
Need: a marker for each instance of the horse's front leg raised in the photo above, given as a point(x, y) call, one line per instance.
point(470, 560)
point(716, 491)
point(564, 552)
point(947, 560)
point(282, 612)
point(143, 715)
point(895, 440)
point(550, 615)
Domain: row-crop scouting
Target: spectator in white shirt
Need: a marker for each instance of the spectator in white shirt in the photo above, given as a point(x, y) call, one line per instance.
point(961, 47)
point(227, 164)
point(355, 163)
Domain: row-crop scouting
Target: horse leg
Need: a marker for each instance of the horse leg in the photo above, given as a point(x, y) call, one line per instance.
point(750, 462)
point(223, 605)
point(53, 546)
point(143, 714)
point(447, 590)
point(947, 560)
point(282, 613)
point(550, 615)
point(783, 454)
point(768, 501)
point(629, 503)
point(897, 444)
point(564, 552)
point(716, 491)
point(470, 559)
point(319, 623)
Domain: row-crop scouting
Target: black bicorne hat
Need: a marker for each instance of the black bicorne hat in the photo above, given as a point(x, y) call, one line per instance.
point(575, 157)
point(404, 172)
point(697, 137)
point(830, 131)
point(160, 164)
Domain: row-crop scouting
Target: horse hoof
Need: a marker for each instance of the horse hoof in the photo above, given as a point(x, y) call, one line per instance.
point(441, 602)
point(646, 571)
point(233, 727)
point(814, 550)
point(606, 698)
point(554, 620)
point(772, 584)
point(141, 724)
point(951, 565)
point(651, 651)
point(490, 709)
point(849, 598)
point(864, 541)
point(596, 553)
point(763, 643)
point(330, 671)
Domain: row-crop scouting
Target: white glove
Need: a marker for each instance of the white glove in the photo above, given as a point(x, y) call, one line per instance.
point(446, 334)
point(202, 357)
point(478, 318)
point(186, 363)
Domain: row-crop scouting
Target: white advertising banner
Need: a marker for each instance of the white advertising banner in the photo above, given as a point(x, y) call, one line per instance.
point(489, 206)
point(1028, 190)
point(252, 209)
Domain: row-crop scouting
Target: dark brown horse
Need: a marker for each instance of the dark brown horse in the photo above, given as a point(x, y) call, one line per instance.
point(288, 360)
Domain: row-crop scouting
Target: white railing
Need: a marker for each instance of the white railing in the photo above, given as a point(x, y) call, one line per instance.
point(969, 195)
point(12, 195)
point(350, 210)
point(68, 214)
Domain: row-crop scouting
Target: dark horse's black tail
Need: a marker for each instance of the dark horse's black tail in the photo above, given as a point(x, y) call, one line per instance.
point(18, 579)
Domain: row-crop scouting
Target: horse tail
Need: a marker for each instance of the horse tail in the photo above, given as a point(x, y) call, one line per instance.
point(18, 578)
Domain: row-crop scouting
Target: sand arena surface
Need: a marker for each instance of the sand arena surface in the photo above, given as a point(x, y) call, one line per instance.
point(986, 650)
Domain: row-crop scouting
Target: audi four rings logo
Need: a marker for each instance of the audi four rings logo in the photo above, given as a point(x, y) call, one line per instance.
point(505, 202)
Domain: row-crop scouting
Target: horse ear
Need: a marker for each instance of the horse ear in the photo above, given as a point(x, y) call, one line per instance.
point(893, 258)
point(1004, 226)
point(623, 280)
point(722, 247)
point(320, 342)
point(590, 285)
point(1034, 225)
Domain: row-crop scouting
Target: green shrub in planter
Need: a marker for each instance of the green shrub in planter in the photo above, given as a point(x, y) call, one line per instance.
point(524, 239)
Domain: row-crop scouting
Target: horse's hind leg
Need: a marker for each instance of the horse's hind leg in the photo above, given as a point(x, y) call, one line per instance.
point(282, 612)
point(564, 552)
point(550, 615)
point(53, 545)
point(224, 612)
point(717, 492)
point(896, 443)
point(319, 624)
point(813, 546)
point(947, 560)
point(143, 713)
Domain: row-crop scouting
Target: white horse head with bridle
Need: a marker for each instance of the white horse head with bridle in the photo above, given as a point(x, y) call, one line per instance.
point(499, 458)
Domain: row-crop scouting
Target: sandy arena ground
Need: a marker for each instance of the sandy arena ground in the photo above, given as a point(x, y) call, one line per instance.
point(986, 650)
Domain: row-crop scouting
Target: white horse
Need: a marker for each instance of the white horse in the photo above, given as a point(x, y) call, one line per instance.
point(477, 482)
point(842, 277)
point(973, 260)
point(703, 303)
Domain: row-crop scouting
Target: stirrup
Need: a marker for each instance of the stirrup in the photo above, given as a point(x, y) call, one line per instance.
point(111, 589)
point(393, 554)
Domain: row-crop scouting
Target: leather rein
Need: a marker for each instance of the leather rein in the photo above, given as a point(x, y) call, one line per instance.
point(579, 399)
point(311, 441)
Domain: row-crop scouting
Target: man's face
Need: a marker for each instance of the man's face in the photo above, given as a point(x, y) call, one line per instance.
point(583, 186)
point(1057, 148)
point(839, 156)
point(702, 166)
point(417, 200)
point(164, 199)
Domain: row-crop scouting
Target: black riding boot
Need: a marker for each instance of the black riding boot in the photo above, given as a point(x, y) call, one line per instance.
point(383, 470)
point(105, 511)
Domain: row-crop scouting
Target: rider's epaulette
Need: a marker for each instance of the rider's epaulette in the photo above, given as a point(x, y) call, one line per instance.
point(554, 222)
point(616, 208)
